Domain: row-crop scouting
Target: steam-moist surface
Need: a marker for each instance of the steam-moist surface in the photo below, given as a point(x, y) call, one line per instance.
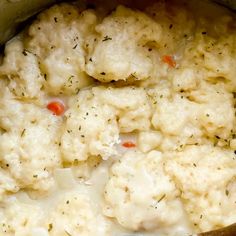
point(161, 81)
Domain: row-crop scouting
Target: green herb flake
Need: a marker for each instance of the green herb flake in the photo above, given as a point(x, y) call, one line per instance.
point(22, 133)
point(50, 227)
point(227, 192)
point(106, 38)
point(162, 197)
point(25, 52)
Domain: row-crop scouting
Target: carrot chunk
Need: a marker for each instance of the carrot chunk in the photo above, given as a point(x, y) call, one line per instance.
point(128, 144)
point(169, 60)
point(56, 107)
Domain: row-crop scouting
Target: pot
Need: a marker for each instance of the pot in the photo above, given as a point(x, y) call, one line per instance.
point(14, 14)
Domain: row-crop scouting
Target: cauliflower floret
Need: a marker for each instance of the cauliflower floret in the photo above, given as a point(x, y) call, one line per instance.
point(121, 47)
point(57, 38)
point(29, 145)
point(205, 175)
point(91, 128)
point(217, 113)
point(18, 219)
point(22, 69)
point(214, 56)
point(219, 59)
point(139, 187)
point(74, 214)
point(97, 115)
point(207, 112)
point(172, 116)
point(133, 106)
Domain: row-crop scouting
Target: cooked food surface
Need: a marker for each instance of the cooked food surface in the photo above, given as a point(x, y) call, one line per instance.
point(119, 121)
